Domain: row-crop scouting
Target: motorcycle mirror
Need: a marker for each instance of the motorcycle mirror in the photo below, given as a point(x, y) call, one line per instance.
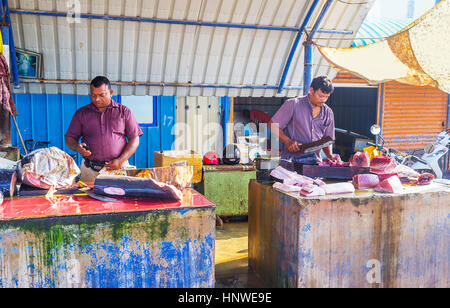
point(429, 148)
point(375, 130)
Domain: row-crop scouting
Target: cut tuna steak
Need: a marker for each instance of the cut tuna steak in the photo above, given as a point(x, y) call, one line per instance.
point(385, 176)
point(365, 181)
point(390, 185)
point(286, 188)
point(382, 164)
point(425, 179)
point(339, 188)
point(290, 177)
point(312, 191)
point(360, 159)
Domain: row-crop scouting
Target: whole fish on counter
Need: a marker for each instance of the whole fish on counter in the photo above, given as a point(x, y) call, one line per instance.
point(127, 186)
point(8, 179)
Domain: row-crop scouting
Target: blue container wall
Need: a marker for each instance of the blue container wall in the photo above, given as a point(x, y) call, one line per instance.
point(46, 117)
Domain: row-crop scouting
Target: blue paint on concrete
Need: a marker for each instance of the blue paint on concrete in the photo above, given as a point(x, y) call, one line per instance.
point(306, 228)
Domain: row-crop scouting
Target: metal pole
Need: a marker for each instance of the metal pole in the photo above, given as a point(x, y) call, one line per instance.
point(12, 47)
point(159, 84)
point(307, 73)
point(176, 22)
point(295, 45)
point(447, 160)
point(308, 69)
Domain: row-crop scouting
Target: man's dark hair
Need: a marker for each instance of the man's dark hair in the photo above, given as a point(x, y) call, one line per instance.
point(99, 81)
point(323, 83)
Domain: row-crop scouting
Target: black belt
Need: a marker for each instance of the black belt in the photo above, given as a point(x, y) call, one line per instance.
point(94, 165)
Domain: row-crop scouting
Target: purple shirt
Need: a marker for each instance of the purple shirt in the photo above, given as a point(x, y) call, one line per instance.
point(296, 115)
point(105, 133)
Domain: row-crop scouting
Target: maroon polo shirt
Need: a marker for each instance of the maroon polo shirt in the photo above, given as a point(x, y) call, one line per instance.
point(105, 133)
point(296, 116)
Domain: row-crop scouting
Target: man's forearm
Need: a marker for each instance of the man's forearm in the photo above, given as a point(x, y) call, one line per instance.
point(72, 143)
point(328, 151)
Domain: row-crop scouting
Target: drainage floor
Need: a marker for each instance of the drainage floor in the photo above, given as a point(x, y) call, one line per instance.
point(232, 270)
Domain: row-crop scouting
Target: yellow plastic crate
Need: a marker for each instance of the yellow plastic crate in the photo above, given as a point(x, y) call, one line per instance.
point(168, 158)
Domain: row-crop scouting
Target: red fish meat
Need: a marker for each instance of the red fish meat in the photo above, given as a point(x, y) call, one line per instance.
point(360, 159)
point(425, 178)
point(385, 176)
point(310, 190)
point(382, 164)
point(390, 185)
point(365, 181)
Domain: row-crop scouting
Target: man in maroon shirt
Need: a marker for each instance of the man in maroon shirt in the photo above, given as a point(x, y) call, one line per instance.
point(109, 131)
point(306, 119)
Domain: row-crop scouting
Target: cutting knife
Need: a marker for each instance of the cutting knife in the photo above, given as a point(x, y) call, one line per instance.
point(91, 194)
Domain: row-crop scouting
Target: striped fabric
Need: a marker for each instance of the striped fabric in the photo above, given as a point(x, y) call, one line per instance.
point(374, 30)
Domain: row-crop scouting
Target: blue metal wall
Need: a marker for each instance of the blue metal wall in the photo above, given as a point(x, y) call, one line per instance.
point(46, 117)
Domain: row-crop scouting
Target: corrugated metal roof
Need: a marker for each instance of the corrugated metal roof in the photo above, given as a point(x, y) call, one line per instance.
point(153, 52)
point(374, 30)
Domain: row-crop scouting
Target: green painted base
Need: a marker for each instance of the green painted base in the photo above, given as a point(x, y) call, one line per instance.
point(228, 190)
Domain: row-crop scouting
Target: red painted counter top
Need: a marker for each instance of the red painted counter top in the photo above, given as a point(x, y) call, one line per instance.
point(75, 205)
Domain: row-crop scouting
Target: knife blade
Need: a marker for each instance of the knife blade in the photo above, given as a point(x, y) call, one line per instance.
point(100, 198)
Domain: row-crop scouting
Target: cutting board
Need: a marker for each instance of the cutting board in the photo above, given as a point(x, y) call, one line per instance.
point(338, 173)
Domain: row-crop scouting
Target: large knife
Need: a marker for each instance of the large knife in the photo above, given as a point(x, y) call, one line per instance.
point(91, 194)
point(316, 145)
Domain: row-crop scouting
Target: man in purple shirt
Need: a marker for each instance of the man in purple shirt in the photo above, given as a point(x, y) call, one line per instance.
point(306, 119)
point(104, 126)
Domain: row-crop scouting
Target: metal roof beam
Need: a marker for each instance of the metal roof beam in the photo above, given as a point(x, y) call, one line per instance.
point(308, 71)
point(295, 45)
point(175, 22)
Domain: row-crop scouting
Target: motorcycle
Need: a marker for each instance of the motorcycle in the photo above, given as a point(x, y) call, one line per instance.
point(429, 162)
point(433, 153)
point(378, 147)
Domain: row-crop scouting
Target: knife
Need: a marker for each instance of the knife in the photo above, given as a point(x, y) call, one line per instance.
point(91, 194)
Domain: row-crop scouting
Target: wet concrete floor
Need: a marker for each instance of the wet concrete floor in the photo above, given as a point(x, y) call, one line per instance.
point(232, 270)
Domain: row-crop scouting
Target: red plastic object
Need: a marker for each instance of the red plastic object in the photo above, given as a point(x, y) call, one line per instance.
point(211, 158)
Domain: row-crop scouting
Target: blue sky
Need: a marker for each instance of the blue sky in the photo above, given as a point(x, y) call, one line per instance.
point(397, 9)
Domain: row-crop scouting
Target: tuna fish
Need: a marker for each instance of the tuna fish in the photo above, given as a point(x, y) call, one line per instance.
point(390, 185)
point(312, 191)
point(425, 179)
point(360, 159)
point(339, 188)
point(382, 164)
point(365, 181)
point(286, 188)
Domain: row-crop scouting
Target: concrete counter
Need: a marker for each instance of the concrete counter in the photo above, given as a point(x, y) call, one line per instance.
point(364, 239)
point(76, 241)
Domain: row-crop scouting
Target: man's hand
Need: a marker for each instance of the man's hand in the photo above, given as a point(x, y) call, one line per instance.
point(293, 146)
point(114, 164)
point(82, 149)
point(336, 158)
